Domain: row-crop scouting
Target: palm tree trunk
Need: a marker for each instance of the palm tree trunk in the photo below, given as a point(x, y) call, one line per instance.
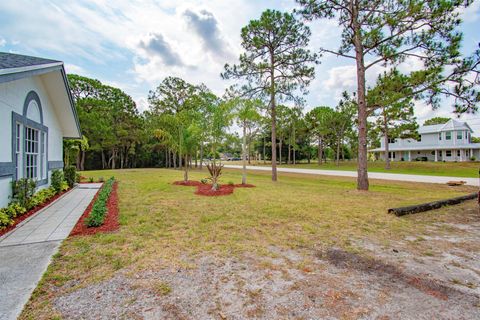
point(185, 173)
point(244, 150)
point(201, 156)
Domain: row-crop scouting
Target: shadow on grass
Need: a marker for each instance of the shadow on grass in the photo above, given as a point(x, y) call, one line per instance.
point(389, 275)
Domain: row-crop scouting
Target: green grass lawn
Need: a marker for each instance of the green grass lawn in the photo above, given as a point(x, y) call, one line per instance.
point(161, 223)
point(450, 169)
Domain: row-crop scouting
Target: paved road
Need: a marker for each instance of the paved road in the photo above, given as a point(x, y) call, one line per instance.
point(26, 251)
point(372, 175)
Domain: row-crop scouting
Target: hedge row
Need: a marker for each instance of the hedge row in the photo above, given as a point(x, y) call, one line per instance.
point(24, 197)
point(16, 208)
point(99, 209)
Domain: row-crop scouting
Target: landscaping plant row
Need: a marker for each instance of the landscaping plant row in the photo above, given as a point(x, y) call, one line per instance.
point(99, 209)
point(24, 198)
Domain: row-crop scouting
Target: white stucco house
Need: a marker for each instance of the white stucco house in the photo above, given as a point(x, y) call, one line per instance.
point(442, 142)
point(36, 113)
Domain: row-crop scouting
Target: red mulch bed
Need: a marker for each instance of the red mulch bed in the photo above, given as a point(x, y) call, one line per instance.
point(111, 220)
point(206, 189)
point(189, 183)
point(24, 216)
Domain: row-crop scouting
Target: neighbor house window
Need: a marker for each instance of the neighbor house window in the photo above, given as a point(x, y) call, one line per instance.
point(448, 135)
point(458, 153)
point(459, 135)
point(448, 153)
point(391, 140)
point(31, 153)
point(440, 153)
point(439, 136)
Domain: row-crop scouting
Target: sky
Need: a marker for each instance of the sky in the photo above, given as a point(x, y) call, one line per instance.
point(134, 45)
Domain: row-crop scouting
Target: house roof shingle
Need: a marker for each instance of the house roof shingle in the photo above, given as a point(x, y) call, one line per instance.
point(12, 60)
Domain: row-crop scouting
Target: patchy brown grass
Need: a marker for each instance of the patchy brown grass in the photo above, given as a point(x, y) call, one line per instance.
point(161, 224)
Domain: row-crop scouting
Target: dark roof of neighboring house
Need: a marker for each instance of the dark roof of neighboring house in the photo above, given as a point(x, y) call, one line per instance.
point(13, 60)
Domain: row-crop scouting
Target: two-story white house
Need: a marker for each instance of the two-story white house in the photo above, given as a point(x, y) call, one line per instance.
point(441, 142)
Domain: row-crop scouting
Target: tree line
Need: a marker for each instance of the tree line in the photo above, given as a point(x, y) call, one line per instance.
point(187, 123)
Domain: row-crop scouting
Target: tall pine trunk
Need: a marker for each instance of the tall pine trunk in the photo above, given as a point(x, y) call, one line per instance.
point(201, 156)
point(337, 162)
point(185, 173)
point(289, 151)
point(280, 150)
point(387, 149)
point(274, 120)
point(244, 151)
point(362, 173)
point(103, 160)
point(196, 157)
point(320, 150)
point(264, 150)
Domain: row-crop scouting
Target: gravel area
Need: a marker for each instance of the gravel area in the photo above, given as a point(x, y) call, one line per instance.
point(332, 284)
point(432, 276)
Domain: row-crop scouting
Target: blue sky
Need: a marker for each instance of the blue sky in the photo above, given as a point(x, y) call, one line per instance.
point(135, 44)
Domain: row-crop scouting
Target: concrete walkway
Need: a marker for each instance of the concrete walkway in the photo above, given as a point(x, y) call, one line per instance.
point(26, 251)
point(372, 175)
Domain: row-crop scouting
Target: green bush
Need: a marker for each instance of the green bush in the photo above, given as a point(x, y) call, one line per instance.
point(70, 173)
point(65, 186)
point(99, 209)
point(22, 192)
point(8, 214)
point(42, 196)
point(14, 210)
point(57, 179)
point(5, 220)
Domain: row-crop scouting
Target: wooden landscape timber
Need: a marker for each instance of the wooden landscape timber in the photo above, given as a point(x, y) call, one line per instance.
point(401, 211)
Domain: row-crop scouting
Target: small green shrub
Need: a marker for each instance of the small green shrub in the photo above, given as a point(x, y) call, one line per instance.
point(8, 214)
point(78, 177)
point(70, 173)
point(231, 183)
point(65, 186)
point(43, 196)
point(99, 209)
point(57, 179)
point(22, 192)
point(90, 179)
point(5, 220)
point(204, 181)
point(472, 158)
point(14, 210)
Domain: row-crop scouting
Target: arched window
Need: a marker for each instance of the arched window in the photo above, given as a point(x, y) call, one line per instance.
point(30, 141)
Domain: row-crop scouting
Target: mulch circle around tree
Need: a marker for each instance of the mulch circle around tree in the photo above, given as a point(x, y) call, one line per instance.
point(111, 220)
point(31, 212)
point(206, 189)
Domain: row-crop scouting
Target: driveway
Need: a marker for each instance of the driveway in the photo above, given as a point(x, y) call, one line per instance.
point(26, 251)
point(372, 175)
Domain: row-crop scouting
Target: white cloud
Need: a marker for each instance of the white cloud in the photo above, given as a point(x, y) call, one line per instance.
point(3, 42)
point(142, 104)
point(72, 68)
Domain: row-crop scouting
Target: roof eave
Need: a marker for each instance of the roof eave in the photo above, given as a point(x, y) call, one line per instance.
point(72, 103)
